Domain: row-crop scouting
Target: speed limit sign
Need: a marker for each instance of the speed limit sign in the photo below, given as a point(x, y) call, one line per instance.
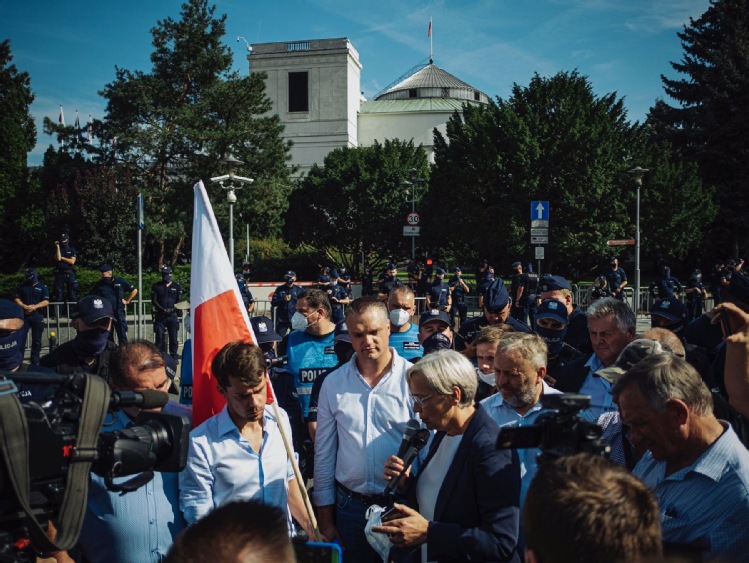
point(412, 218)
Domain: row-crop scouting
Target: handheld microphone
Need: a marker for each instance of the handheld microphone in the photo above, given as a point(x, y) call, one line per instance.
point(417, 443)
point(146, 399)
point(412, 427)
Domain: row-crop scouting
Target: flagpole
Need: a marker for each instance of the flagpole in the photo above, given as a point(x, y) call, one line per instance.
point(431, 39)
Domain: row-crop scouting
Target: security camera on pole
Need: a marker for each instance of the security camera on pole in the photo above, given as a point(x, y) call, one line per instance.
point(231, 197)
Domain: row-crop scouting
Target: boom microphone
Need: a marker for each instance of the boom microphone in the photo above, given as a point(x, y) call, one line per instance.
point(145, 399)
point(416, 444)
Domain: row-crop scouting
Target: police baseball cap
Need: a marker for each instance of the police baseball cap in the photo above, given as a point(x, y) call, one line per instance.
point(632, 354)
point(262, 326)
point(166, 269)
point(341, 332)
point(435, 315)
point(333, 274)
point(553, 283)
point(30, 273)
point(392, 266)
point(93, 308)
point(106, 268)
point(290, 274)
point(496, 297)
point(439, 271)
point(11, 315)
point(672, 309)
point(517, 264)
point(613, 259)
point(64, 236)
point(456, 269)
point(552, 309)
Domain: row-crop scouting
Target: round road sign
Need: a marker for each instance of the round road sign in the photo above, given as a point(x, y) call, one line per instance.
point(412, 218)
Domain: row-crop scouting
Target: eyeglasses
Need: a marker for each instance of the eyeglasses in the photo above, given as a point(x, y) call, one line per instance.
point(419, 401)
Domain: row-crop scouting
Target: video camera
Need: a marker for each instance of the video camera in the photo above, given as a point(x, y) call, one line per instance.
point(51, 444)
point(558, 431)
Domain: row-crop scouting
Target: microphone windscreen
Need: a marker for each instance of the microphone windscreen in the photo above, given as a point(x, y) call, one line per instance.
point(153, 399)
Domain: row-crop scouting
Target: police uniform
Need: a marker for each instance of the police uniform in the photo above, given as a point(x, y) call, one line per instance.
point(337, 291)
point(694, 299)
point(519, 309)
point(459, 306)
point(33, 292)
point(65, 273)
point(367, 282)
point(665, 288)
point(114, 290)
point(388, 284)
point(285, 309)
point(164, 296)
point(247, 298)
point(615, 277)
point(439, 292)
point(308, 356)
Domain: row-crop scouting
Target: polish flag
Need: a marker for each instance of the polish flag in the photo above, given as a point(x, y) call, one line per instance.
point(61, 119)
point(217, 311)
point(429, 31)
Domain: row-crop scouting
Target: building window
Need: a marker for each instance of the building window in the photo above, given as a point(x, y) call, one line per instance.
point(476, 96)
point(412, 92)
point(445, 92)
point(298, 91)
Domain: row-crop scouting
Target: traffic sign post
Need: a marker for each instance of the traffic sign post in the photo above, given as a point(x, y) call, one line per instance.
point(409, 231)
point(412, 218)
point(539, 228)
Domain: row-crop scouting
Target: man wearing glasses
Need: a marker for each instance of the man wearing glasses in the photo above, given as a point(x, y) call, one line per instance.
point(361, 417)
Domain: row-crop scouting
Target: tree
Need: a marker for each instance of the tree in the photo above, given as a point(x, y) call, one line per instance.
point(171, 126)
point(18, 134)
point(553, 140)
point(710, 125)
point(356, 202)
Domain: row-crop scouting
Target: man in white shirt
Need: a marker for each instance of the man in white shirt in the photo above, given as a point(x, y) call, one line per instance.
point(362, 413)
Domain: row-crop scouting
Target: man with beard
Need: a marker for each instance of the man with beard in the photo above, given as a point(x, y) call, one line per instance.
point(239, 454)
point(90, 349)
point(520, 369)
point(496, 311)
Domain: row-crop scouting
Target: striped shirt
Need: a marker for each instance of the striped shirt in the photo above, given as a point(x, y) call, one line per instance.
point(706, 504)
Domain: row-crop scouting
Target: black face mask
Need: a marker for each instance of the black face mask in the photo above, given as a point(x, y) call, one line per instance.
point(436, 341)
point(90, 343)
point(166, 278)
point(108, 280)
point(554, 339)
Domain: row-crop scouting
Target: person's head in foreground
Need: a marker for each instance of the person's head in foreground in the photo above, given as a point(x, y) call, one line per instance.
point(584, 509)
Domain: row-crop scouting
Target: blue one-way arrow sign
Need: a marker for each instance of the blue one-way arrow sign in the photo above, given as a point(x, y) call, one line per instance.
point(540, 210)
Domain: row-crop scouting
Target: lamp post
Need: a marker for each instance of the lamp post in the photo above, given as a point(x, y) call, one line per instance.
point(412, 184)
point(231, 198)
point(637, 173)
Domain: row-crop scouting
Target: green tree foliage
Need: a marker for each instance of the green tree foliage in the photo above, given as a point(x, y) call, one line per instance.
point(17, 138)
point(710, 124)
point(172, 125)
point(356, 201)
point(554, 140)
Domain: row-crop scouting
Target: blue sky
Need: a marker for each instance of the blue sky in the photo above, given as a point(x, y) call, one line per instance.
point(70, 48)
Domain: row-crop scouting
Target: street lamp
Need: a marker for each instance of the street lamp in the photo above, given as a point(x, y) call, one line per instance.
point(637, 174)
point(412, 184)
point(231, 198)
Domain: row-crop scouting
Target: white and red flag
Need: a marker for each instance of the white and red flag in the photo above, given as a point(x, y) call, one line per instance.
point(429, 31)
point(217, 312)
point(61, 119)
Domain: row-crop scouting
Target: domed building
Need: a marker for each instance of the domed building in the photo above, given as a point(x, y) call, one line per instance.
point(315, 88)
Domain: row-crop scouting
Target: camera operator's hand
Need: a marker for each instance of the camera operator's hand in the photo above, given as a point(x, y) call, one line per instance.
point(54, 556)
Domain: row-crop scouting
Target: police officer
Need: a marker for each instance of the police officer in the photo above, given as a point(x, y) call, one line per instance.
point(695, 295)
point(284, 300)
point(344, 277)
point(551, 325)
point(519, 293)
point(719, 281)
point(164, 296)
point(114, 290)
point(668, 287)
point(616, 278)
point(577, 336)
point(33, 297)
point(485, 277)
point(65, 256)
point(600, 290)
point(367, 282)
point(496, 311)
point(338, 296)
point(459, 290)
point(323, 279)
point(247, 298)
point(388, 282)
point(439, 292)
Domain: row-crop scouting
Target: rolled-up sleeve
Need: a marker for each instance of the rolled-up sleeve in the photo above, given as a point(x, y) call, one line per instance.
point(326, 447)
point(196, 482)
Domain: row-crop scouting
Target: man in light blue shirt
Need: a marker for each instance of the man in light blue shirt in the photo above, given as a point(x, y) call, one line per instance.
point(695, 463)
point(362, 413)
point(520, 368)
point(140, 525)
point(239, 452)
point(612, 325)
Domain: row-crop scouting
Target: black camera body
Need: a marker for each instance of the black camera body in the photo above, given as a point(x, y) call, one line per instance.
point(157, 442)
point(558, 430)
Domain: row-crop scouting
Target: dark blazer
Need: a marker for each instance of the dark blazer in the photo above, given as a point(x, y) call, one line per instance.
point(477, 514)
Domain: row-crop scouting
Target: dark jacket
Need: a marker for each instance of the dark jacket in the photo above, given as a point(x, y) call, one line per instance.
point(476, 516)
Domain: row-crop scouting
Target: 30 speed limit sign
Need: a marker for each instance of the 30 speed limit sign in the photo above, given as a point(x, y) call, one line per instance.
point(412, 218)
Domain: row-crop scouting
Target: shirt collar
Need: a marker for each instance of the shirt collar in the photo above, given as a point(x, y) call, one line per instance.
point(713, 461)
point(225, 425)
